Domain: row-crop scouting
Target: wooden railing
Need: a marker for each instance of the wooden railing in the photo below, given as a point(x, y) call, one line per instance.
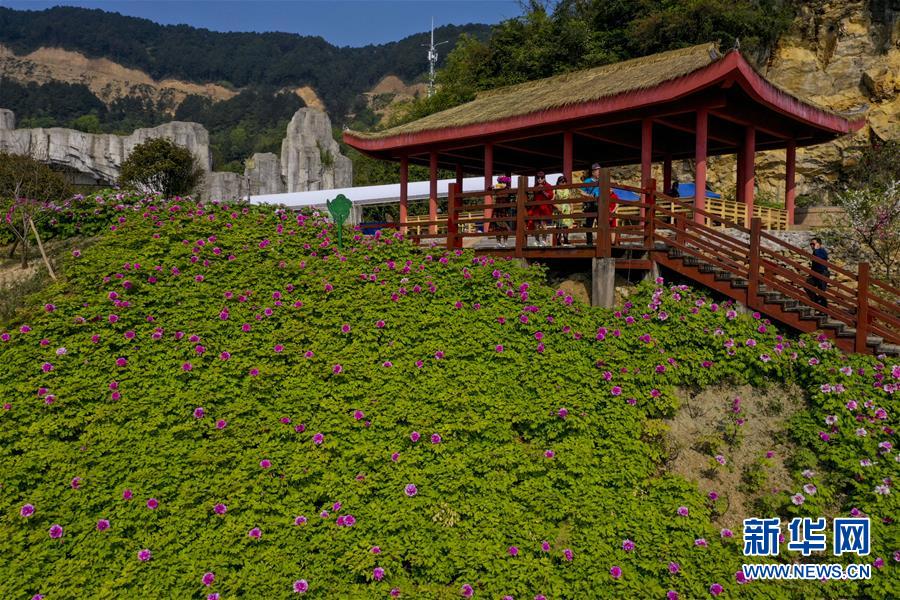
point(854, 299)
point(773, 219)
point(656, 224)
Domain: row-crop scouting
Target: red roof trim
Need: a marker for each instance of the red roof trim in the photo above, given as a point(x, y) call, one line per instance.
point(756, 86)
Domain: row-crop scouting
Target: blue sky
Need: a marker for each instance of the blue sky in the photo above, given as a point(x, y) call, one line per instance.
point(341, 22)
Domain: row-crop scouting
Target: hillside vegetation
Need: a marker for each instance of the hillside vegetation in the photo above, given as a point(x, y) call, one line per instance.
point(217, 400)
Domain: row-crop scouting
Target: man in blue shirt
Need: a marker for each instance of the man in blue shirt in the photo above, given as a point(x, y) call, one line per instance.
point(819, 252)
point(594, 190)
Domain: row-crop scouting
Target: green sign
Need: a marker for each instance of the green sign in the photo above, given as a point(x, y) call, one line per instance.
point(340, 210)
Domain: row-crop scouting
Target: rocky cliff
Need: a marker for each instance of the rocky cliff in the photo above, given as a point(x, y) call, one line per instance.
point(843, 55)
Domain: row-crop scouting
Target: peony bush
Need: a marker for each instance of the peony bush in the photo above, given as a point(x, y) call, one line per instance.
point(218, 402)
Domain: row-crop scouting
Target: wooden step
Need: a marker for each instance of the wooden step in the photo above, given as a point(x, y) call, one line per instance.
point(889, 349)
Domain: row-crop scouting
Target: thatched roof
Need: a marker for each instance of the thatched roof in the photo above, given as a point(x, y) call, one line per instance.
point(563, 90)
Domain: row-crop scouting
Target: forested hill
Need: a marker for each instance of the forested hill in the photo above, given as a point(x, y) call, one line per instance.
point(338, 74)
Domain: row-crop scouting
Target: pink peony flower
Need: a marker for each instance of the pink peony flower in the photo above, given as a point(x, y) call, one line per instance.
point(255, 533)
point(208, 578)
point(152, 503)
point(220, 509)
point(411, 490)
point(102, 525)
point(144, 555)
point(300, 586)
point(615, 571)
point(682, 511)
point(26, 511)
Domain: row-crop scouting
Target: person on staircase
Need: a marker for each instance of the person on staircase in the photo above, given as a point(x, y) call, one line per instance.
point(818, 251)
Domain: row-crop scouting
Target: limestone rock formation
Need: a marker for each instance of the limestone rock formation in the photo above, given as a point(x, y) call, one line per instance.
point(99, 156)
point(263, 170)
point(7, 119)
point(310, 157)
point(313, 159)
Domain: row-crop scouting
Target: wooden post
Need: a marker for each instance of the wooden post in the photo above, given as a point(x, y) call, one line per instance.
point(790, 164)
point(568, 156)
point(862, 308)
point(41, 248)
point(488, 181)
point(700, 164)
point(649, 222)
point(646, 158)
point(603, 248)
point(753, 277)
point(667, 174)
point(432, 193)
point(749, 163)
point(404, 193)
point(452, 229)
point(521, 198)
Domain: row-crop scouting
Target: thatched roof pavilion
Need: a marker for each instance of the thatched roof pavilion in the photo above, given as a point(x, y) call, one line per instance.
point(688, 103)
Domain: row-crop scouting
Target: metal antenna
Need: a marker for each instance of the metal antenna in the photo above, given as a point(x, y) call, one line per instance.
point(432, 59)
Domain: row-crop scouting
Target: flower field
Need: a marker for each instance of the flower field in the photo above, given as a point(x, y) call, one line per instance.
point(218, 403)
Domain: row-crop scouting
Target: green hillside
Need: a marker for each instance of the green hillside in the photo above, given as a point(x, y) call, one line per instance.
point(219, 389)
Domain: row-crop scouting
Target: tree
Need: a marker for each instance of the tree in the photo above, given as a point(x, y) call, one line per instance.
point(161, 166)
point(28, 186)
point(870, 231)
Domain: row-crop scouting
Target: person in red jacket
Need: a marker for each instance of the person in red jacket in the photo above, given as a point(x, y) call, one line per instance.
point(542, 214)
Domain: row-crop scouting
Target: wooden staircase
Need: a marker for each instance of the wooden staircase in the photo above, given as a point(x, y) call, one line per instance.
point(774, 277)
point(772, 303)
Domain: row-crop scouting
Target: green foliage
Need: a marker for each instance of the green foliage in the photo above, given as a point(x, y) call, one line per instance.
point(877, 168)
point(568, 35)
point(869, 230)
point(338, 74)
point(160, 166)
point(168, 272)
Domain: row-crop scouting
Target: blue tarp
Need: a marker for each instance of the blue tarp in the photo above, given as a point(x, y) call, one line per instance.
point(626, 195)
point(686, 190)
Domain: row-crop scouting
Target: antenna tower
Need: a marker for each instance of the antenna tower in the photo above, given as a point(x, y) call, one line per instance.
point(432, 59)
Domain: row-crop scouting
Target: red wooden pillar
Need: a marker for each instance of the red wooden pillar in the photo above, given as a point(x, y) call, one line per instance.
point(404, 192)
point(489, 181)
point(739, 176)
point(667, 174)
point(568, 156)
point(748, 171)
point(646, 159)
point(452, 229)
point(790, 164)
point(700, 144)
point(862, 309)
point(432, 191)
point(459, 177)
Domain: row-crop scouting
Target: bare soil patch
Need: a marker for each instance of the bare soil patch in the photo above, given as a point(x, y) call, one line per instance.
point(742, 434)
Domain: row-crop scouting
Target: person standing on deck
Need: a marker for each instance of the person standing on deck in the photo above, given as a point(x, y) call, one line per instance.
point(819, 252)
point(565, 223)
point(543, 193)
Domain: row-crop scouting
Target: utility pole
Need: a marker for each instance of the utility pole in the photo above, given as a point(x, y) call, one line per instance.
point(432, 59)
